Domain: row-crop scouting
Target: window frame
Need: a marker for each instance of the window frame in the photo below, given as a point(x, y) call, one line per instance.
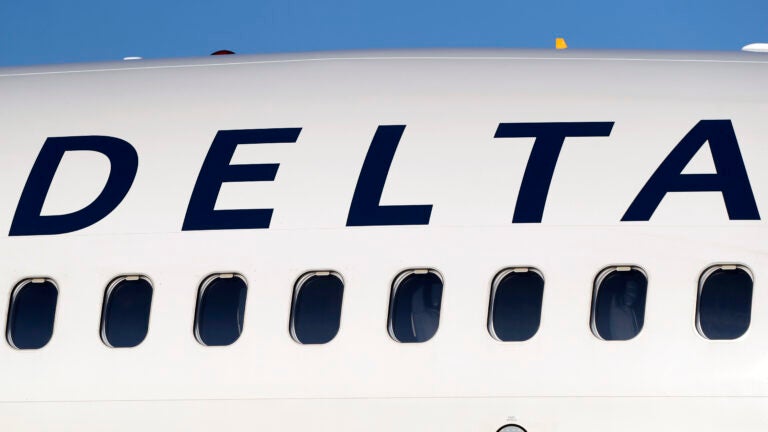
point(204, 285)
point(512, 427)
point(495, 286)
point(703, 278)
point(393, 293)
point(14, 293)
point(108, 294)
point(596, 289)
point(297, 288)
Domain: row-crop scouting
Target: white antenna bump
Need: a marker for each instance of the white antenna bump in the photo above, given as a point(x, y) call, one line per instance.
point(756, 47)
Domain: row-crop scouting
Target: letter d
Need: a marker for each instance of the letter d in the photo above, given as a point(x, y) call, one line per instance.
point(123, 165)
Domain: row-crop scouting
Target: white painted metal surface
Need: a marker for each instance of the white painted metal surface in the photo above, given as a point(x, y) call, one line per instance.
point(756, 47)
point(563, 379)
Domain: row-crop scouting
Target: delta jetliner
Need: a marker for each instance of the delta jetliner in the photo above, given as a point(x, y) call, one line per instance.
point(453, 241)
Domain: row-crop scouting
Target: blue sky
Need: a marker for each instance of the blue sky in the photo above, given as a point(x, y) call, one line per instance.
point(59, 31)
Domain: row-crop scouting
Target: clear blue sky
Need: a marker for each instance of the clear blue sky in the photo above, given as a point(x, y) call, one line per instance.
point(59, 31)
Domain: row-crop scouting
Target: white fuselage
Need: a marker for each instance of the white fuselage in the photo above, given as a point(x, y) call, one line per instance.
point(451, 103)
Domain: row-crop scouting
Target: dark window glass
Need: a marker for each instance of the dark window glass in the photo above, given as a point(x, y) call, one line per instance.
point(619, 303)
point(126, 307)
point(414, 313)
point(31, 315)
point(516, 305)
point(725, 303)
point(220, 310)
point(316, 311)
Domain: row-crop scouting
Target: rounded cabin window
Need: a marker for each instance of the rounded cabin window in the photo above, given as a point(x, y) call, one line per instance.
point(618, 306)
point(125, 315)
point(414, 310)
point(724, 308)
point(515, 309)
point(220, 309)
point(31, 313)
point(316, 309)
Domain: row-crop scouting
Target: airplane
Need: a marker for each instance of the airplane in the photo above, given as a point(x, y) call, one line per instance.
point(476, 240)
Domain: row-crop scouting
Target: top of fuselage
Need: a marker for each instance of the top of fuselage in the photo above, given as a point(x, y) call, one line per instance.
point(418, 54)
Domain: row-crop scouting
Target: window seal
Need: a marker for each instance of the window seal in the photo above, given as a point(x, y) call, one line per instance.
point(703, 278)
point(201, 291)
point(495, 286)
point(393, 293)
point(16, 289)
point(108, 294)
point(297, 288)
point(596, 288)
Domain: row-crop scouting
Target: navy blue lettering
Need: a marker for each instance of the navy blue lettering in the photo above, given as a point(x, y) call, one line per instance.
point(123, 165)
point(217, 170)
point(365, 209)
point(541, 163)
point(730, 179)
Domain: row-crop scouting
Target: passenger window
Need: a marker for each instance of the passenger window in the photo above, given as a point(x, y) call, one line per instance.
point(316, 310)
point(31, 313)
point(618, 305)
point(220, 309)
point(515, 309)
point(414, 310)
point(125, 313)
point(725, 302)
